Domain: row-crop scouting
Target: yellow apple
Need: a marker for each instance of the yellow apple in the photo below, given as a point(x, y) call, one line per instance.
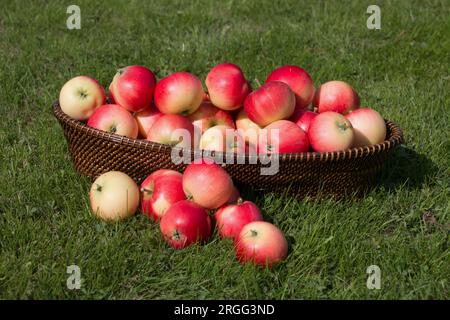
point(114, 196)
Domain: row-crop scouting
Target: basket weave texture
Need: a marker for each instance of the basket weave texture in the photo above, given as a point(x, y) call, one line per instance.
point(337, 174)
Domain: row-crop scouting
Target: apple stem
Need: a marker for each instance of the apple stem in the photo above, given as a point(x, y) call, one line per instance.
point(83, 94)
point(240, 200)
point(121, 70)
point(343, 126)
point(148, 191)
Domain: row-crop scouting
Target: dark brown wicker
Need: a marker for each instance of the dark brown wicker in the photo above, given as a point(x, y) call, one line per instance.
point(339, 174)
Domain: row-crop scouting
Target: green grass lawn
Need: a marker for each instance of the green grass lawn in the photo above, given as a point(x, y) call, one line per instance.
point(401, 70)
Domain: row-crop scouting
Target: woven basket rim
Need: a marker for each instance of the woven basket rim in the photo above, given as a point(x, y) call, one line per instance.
point(394, 139)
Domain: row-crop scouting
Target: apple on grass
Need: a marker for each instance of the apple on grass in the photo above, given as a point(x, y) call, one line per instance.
point(159, 191)
point(179, 93)
point(261, 243)
point(133, 87)
point(231, 218)
point(80, 97)
point(298, 80)
point(145, 119)
point(185, 223)
point(222, 139)
point(368, 125)
point(330, 131)
point(173, 130)
point(283, 136)
point(336, 96)
point(227, 86)
point(272, 101)
point(207, 184)
point(207, 116)
point(113, 118)
point(114, 196)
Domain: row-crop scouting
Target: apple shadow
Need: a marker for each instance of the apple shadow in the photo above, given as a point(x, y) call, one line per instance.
point(408, 168)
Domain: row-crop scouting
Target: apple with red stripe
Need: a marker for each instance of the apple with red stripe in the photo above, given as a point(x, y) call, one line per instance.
point(132, 88)
point(185, 223)
point(113, 118)
point(207, 184)
point(336, 96)
point(179, 93)
point(159, 191)
point(300, 82)
point(261, 243)
point(231, 218)
point(303, 119)
point(283, 136)
point(330, 131)
point(272, 101)
point(207, 116)
point(227, 86)
point(173, 130)
point(146, 118)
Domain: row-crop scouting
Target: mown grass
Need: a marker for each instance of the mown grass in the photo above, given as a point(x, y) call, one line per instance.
point(401, 70)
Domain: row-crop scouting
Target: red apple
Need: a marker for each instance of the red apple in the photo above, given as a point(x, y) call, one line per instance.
point(113, 118)
point(172, 129)
point(261, 243)
point(184, 224)
point(146, 118)
point(368, 125)
point(272, 101)
point(159, 191)
point(207, 184)
point(114, 196)
point(230, 219)
point(330, 131)
point(223, 139)
point(304, 119)
point(336, 96)
point(80, 97)
point(207, 116)
point(149, 182)
point(298, 80)
point(133, 87)
point(227, 86)
point(179, 93)
point(283, 136)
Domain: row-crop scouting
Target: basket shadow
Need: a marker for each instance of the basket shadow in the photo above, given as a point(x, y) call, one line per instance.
point(406, 168)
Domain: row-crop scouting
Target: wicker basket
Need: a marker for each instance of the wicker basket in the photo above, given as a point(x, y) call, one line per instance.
point(338, 174)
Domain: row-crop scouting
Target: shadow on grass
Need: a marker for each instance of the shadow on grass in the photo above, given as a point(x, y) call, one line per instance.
point(407, 168)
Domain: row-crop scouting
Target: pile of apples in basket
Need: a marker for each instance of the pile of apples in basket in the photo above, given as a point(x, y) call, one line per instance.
point(286, 114)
